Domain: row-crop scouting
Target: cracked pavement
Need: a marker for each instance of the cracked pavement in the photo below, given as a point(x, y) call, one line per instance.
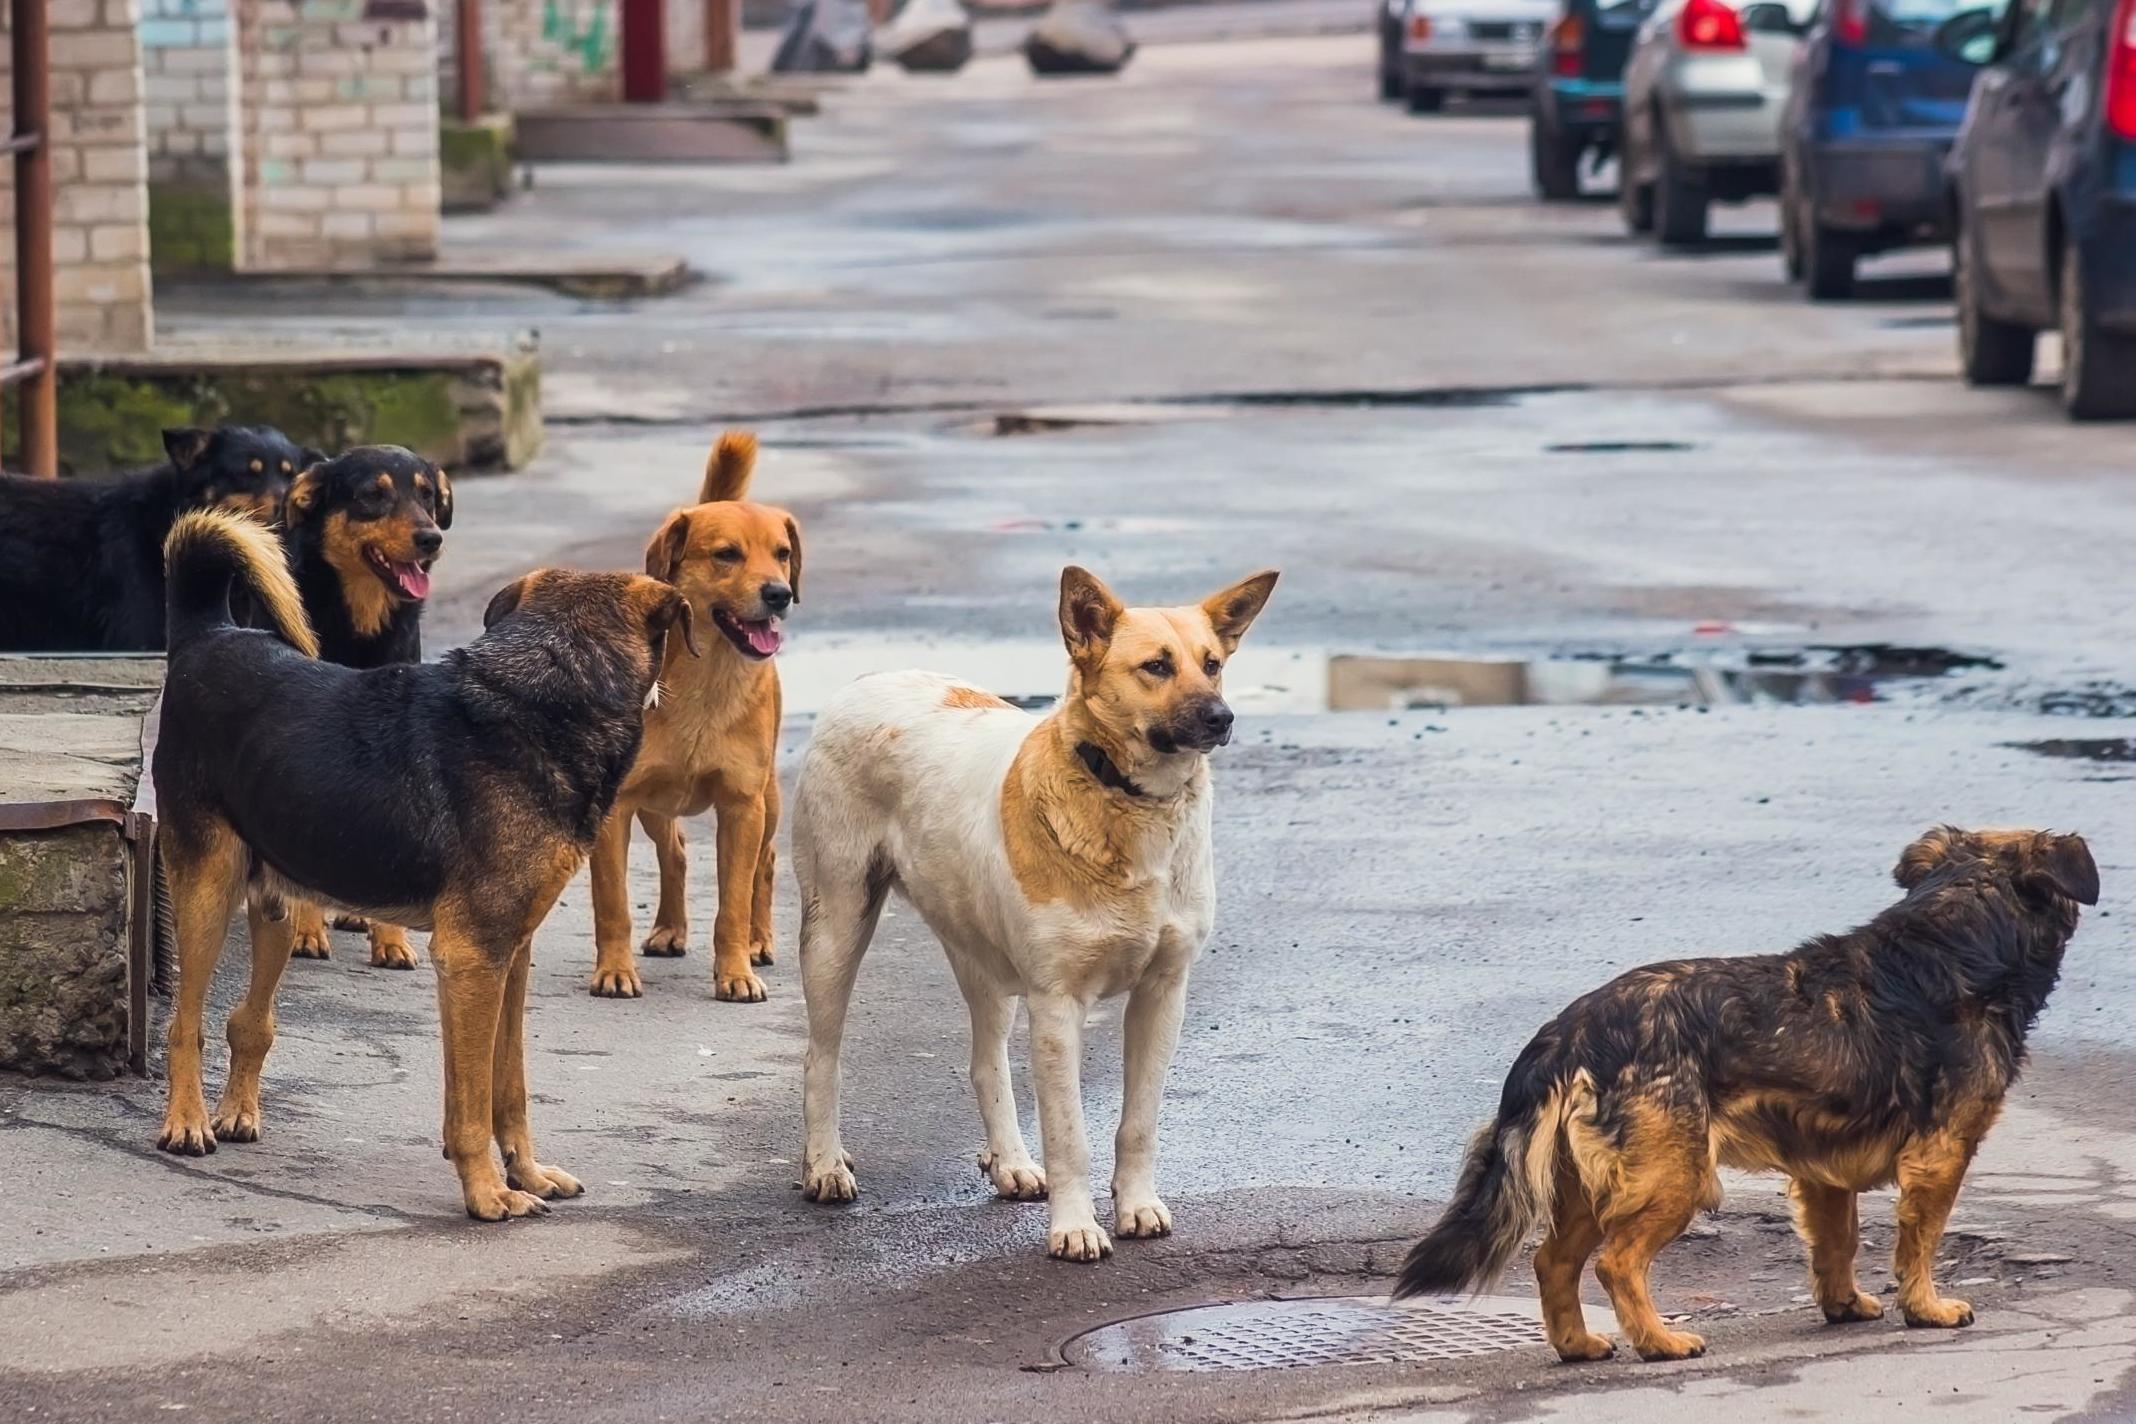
point(1248, 317)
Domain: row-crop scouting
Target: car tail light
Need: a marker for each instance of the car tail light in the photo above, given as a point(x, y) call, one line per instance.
point(1420, 27)
point(1567, 37)
point(1709, 24)
point(1850, 22)
point(2121, 73)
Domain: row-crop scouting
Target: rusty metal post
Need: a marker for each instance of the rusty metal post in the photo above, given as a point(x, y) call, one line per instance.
point(35, 318)
point(723, 27)
point(467, 50)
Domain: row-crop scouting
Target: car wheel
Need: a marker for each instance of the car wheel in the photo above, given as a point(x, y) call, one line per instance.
point(1635, 200)
point(1790, 227)
point(1426, 101)
point(1390, 83)
point(1680, 201)
point(1828, 260)
point(1991, 352)
point(2098, 367)
point(1554, 163)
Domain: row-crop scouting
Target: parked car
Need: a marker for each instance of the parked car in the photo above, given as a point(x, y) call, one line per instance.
point(1870, 116)
point(1703, 93)
point(2044, 173)
point(1579, 91)
point(1470, 47)
point(1393, 15)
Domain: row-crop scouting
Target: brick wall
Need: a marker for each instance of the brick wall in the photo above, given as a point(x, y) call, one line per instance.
point(100, 173)
point(338, 131)
point(538, 53)
point(187, 56)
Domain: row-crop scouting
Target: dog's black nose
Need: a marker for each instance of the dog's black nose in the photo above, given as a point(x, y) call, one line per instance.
point(1216, 719)
point(428, 542)
point(777, 596)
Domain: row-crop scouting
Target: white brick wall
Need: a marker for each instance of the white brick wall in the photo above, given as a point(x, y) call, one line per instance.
point(99, 173)
point(539, 52)
point(186, 55)
point(338, 132)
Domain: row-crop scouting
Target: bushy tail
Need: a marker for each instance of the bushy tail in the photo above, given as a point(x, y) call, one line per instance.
point(204, 554)
point(729, 467)
point(1506, 1186)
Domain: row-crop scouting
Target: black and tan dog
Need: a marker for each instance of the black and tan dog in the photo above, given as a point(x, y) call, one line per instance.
point(458, 797)
point(1854, 1062)
point(81, 560)
point(363, 531)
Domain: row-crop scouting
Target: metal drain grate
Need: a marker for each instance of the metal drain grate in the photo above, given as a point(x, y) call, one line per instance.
point(1295, 1334)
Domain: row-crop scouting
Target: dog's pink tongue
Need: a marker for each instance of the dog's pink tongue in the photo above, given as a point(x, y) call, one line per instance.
point(414, 580)
point(764, 638)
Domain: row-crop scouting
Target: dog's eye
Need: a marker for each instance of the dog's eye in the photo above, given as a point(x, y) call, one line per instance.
point(728, 555)
point(782, 553)
point(1211, 666)
point(1158, 667)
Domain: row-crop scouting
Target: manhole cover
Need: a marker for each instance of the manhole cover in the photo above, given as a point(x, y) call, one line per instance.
point(1330, 1330)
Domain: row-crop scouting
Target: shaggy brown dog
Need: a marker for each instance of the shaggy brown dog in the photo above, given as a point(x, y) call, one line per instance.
point(713, 740)
point(1856, 1061)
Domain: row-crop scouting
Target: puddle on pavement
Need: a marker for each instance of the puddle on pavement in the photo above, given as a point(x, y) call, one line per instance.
point(2102, 749)
point(1031, 673)
point(1619, 447)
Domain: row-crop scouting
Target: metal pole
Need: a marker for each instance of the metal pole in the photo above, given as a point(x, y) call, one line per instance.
point(35, 319)
point(467, 48)
point(722, 27)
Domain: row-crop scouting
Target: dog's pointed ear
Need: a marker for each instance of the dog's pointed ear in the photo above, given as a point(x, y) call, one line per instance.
point(1232, 612)
point(1919, 860)
point(185, 445)
point(2063, 865)
point(793, 562)
point(444, 497)
point(1089, 612)
point(729, 468)
point(663, 555)
point(672, 613)
point(505, 600)
point(304, 494)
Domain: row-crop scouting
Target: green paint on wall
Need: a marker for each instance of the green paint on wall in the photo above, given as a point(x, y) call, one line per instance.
point(189, 229)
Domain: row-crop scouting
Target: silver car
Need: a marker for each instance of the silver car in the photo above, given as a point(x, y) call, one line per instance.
point(1703, 94)
point(1470, 47)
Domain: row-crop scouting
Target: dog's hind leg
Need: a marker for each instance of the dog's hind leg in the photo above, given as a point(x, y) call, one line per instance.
point(838, 915)
point(1930, 1170)
point(268, 925)
point(508, 1094)
point(615, 972)
point(308, 930)
point(1574, 1234)
point(1154, 1011)
point(1072, 1230)
point(389, 947)
point(472, 981)
point(206, 869)
point(1829, 1223)
point(1663, 1177)
point(671, 922)
point(1007, 1160)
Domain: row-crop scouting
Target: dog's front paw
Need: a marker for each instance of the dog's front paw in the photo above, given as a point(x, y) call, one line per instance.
point(501, 1203)
point(830, 1183)
point(1016, 1180)
point(1078, 1241)
point(1141, 1219)
point(1588, 1346)
point(1672, 1345)
point(1863, 1307)
point(237, 1122)
point(742, 988)
point(616, 981)
point(186, 1131)
point(310, 942)
point(668, 942)
point(390, 948)
point(1940, 1313)
point(548, 1183)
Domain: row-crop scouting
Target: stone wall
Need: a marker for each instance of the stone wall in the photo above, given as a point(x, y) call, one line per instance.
point(187, 55)
point(539, 53)
point(100, 177)
point(338, 132)
point(63, 977)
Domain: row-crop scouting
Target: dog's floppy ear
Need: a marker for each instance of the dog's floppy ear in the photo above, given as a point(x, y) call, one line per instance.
point(2064, 865)
point(505, 600)
point(1232, 612)
point(664, 554)
point(793, 562)
point(673, 612)
point(1089, 612)
point(1919, 860)
point(729, 467)
point(444, 497)
point(304, 494)
point(186, 445)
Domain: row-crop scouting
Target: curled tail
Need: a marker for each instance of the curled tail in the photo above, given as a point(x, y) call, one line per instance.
point(205, 553)
point(729, 467)
point(1506, 1188)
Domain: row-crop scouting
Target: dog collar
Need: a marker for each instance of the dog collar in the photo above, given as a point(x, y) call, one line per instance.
point(1101, 766)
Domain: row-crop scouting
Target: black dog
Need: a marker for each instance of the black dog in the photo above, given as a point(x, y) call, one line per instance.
point(1856, 1061)
point(81, 560)
point(363, 531)
point(458, 796)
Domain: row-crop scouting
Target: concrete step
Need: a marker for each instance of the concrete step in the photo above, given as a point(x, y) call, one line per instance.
point(711, 131)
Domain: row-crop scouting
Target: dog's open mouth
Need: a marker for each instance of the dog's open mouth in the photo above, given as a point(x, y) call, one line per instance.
point(754, 637)
point(410, 581)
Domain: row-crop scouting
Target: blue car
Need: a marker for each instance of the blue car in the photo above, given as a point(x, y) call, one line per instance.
point(1875, 105)
point(2045, 203)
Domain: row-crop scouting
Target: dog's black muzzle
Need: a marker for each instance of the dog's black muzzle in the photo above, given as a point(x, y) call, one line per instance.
point(1202, 727)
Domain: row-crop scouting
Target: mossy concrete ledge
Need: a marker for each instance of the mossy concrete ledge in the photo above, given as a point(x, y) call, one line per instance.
point(190, 229)
point(476, 159)
point(471, 410)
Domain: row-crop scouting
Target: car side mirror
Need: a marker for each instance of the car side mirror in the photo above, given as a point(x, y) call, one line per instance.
point(1971, 37)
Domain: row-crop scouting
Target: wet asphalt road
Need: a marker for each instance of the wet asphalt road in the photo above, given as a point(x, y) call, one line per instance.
point(1270, 322)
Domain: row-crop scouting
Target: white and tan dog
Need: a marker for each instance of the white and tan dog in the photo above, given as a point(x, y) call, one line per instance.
point(1062, 861)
